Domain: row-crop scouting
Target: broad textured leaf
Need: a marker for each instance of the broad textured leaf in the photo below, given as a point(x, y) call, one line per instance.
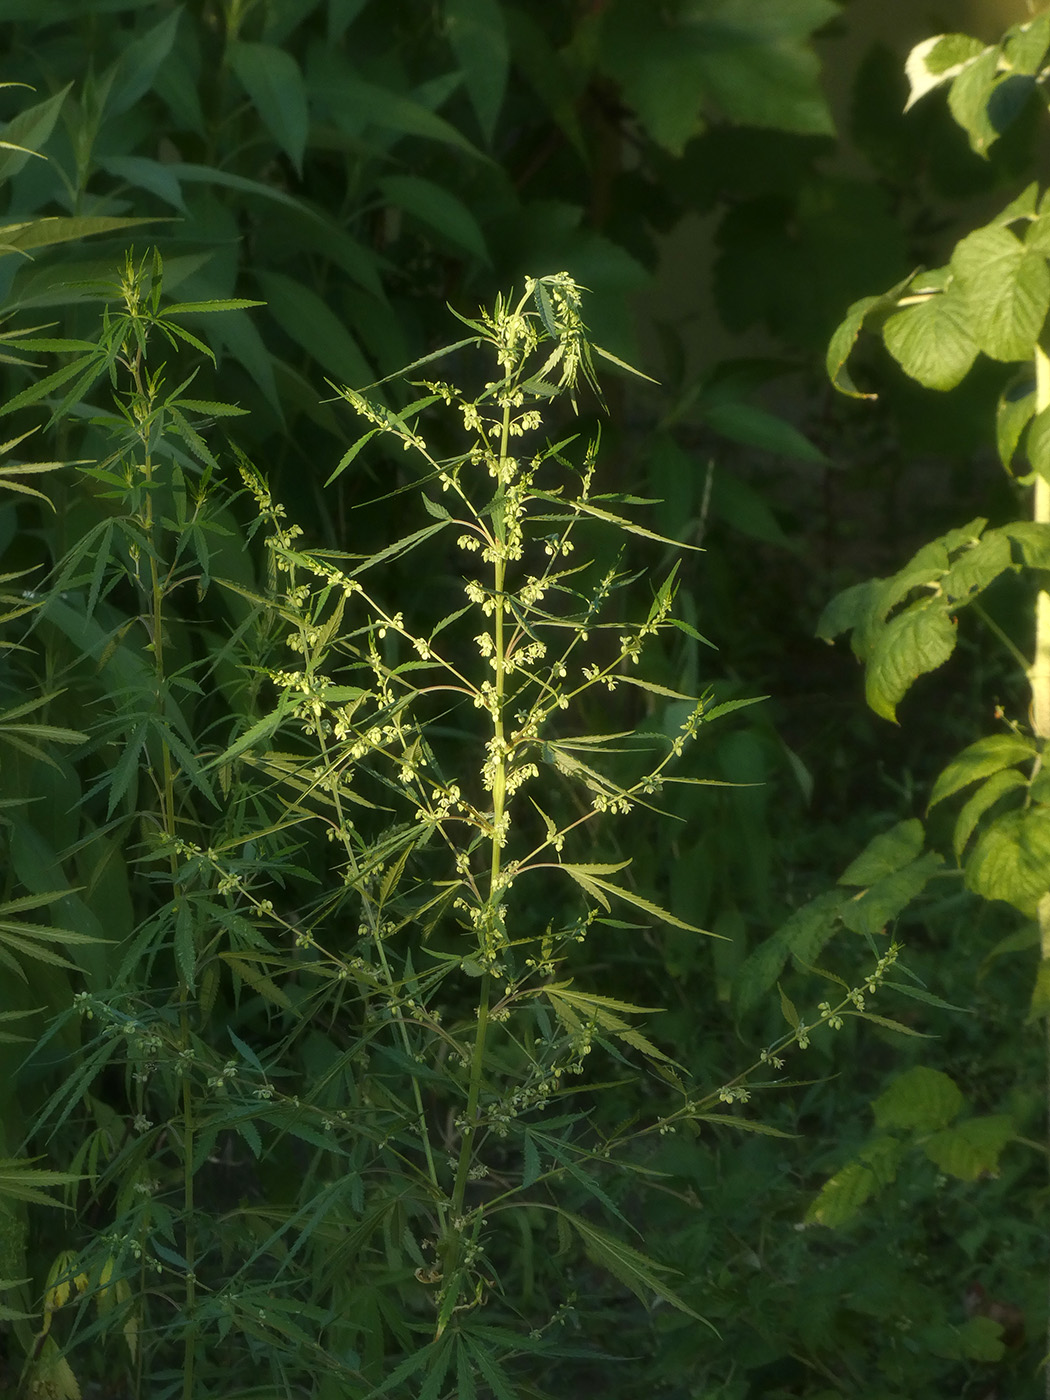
point(986, 796)
point(1025, 45)
point(886, 853)
point(1013, 414)
point(477, 32)
point(841, 346)
point(1037, 443)
point(849, 610)
point(911, 644)
point(938, 60)
point(809, 928)
point(1039, 1004)
point(969, 98)
point(923, 571)
point(932, 341)
point(975, 568)
point(920, 1099)
point(1006, 289)
point(845, 336)
point(986, 756)
point(272, 80)
point(981, 1339)
point(971, 1148)
point(1034, 539)
point(760, 971)
point(1011, 860)
point(754, 63)
point(880, 905)
point(842, 1196)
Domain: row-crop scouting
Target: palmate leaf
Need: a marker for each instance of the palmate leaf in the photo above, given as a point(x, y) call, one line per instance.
point(745, 1125)
point(588, 508)
point(634, 1270)
point(21, 1181)
point(36, 941)
point(588, 877)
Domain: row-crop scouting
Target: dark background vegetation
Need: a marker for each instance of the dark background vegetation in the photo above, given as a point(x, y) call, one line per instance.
point(357, 164)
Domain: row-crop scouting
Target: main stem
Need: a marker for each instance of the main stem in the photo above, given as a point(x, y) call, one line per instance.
point(499, 798)
point(1039, 680)
point(144, 392)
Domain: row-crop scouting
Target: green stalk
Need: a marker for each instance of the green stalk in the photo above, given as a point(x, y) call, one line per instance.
point(167, 815)
point(1039, 680)
point(499, 798)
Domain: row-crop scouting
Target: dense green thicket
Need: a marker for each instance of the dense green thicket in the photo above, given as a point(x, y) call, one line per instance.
point(288, 1013)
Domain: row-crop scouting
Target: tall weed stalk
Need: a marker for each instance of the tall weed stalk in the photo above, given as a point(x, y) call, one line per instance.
point(319, 1066)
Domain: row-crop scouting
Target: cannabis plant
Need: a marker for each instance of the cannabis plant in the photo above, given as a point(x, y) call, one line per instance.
point(329, 866)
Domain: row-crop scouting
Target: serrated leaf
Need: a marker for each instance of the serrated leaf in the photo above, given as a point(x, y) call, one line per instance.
point(745, 1125)
point(787, 1007)
point(975, 568)
point(880, 905)
point(1034, 540)
point(1006, 288)
point(1040, 1001)
point(969, 98)
point(971, 1148)
point(757, 427)
point(889, 851)
point(1014, 412)
point(986, 796)
point(842, 1196)
point(911, 644)
point(1037, 443)
point(848, 611)
point(932, 340)
point(1011, 860)
point(846, 334)
point(938, 60)
point(979, 760)
point(921, 1099)
point(633, 1269)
